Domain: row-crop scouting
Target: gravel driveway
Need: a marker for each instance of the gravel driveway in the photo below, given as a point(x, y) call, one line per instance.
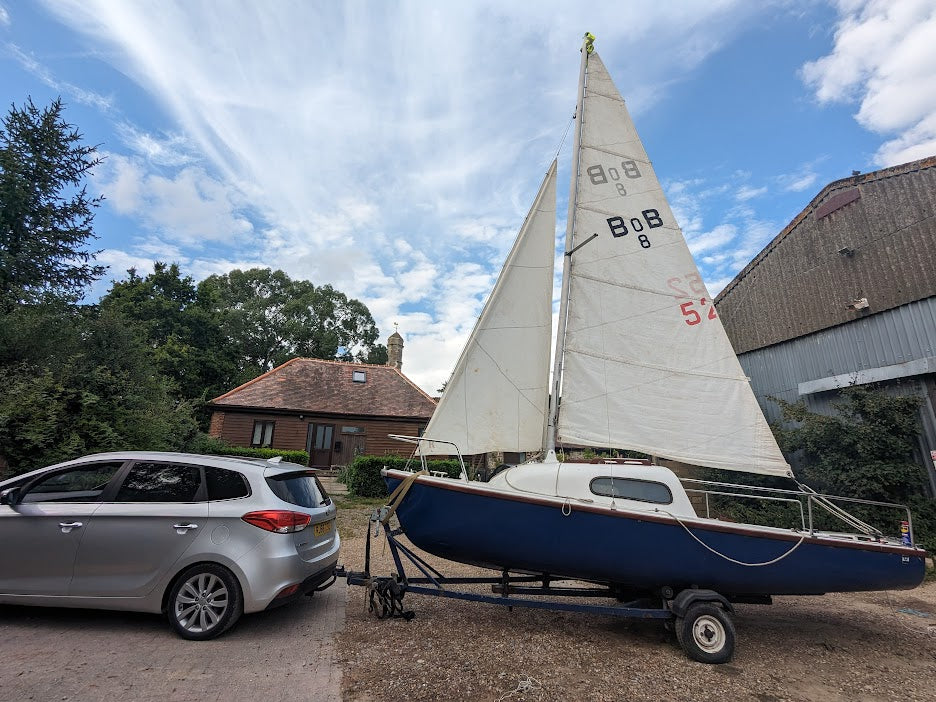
point(834, 648)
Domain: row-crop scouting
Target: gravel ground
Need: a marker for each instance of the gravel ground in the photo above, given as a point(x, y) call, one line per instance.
point(841, 647)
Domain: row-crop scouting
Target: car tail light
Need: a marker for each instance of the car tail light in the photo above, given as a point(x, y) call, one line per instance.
point(278, 520)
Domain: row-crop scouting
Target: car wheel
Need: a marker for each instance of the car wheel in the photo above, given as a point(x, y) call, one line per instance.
point(204, 602)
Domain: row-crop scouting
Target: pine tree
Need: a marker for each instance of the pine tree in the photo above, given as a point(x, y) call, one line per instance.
point(45, 211)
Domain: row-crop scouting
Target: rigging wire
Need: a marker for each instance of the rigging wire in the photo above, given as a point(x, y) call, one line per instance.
point(564, 135)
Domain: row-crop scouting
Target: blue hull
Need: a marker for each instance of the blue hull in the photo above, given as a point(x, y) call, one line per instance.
point(460, 523)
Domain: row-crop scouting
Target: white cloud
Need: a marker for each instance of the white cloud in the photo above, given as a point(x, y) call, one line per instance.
point(747, 192)
point(119, 262)
point(4, 16)
point(798, 182)
point(884, 59)
point(188, 208)
point(86, 97)
point(165, 150)
point(720, 236)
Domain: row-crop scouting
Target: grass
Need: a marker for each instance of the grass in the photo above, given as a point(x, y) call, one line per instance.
point(353, 513)
point(353, 502)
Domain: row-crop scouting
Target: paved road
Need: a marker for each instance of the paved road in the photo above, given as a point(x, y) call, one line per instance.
point(64, 654)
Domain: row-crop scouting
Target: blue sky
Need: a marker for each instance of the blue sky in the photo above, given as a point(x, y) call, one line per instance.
point(392, 149)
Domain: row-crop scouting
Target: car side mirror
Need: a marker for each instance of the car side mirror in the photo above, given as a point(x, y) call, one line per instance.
point(10, 496)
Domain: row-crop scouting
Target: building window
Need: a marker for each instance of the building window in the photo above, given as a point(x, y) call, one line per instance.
point(262, 434)
point(359, 376)
point(352, 430)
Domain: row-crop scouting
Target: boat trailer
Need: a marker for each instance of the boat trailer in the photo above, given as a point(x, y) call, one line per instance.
point(700, 618)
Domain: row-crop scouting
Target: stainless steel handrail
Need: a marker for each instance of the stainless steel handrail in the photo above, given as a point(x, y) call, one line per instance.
point(810, 497)
point(418, 440)
point(798, 503)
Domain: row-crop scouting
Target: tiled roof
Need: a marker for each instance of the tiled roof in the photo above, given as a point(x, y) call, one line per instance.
point(314, 386)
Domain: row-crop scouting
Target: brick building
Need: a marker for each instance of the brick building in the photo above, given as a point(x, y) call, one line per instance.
point(332, 410)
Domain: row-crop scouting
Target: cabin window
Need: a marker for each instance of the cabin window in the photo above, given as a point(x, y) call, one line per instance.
point(359, 376)
point(631, 489)
point(262, 434)
point(352, 430)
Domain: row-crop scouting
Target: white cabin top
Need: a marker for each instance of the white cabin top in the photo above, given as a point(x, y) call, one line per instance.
point(628, 486)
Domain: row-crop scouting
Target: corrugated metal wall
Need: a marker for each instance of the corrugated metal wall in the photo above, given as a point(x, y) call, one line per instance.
point(891, 341)
point(870, 236)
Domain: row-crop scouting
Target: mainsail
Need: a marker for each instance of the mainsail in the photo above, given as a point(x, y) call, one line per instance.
point(647, 363)
point(497, 396)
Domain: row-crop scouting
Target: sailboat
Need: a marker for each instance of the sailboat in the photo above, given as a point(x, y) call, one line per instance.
point(642, 362)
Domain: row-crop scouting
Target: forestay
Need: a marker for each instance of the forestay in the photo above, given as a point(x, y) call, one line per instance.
point(497, 396)
point(647, 363)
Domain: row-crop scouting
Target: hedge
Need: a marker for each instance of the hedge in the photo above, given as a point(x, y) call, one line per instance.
point(300, 457)
point(210, 445)
point(364, 479)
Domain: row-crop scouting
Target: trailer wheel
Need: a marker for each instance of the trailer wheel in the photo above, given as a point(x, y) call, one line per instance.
point(706, 633)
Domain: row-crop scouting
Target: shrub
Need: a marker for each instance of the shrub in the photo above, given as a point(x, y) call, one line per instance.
point(864, 450)
point(364, 479)
point(205, 444)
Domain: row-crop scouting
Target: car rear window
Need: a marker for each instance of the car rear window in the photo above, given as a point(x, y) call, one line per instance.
point(225, 484)
point(300, 488)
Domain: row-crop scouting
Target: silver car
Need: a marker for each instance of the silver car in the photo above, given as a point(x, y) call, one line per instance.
point(201, 538)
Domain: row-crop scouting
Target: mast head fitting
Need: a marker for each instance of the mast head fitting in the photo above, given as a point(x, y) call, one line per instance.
point(589, 42)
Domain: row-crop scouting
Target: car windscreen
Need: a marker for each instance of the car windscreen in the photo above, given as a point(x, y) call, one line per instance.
point(300, 488)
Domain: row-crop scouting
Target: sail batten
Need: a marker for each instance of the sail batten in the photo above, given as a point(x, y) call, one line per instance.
point(646, 362)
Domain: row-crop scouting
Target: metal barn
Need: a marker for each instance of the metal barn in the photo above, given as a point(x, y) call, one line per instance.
point(845, 294)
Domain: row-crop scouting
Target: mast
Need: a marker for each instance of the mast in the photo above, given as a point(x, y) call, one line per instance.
point(549, 441)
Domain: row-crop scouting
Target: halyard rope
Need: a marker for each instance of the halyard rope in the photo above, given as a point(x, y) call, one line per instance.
point(729, 558)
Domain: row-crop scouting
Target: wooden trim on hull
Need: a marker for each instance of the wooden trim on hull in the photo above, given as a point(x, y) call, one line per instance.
point(576, 506)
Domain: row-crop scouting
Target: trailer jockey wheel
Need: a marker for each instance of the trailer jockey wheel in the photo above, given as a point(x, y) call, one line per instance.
point(706, 633)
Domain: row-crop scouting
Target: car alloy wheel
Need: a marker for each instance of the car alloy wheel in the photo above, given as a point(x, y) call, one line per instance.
point(204, 602)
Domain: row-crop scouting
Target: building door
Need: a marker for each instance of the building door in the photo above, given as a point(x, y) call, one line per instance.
point(351, 445)
point(319, 444)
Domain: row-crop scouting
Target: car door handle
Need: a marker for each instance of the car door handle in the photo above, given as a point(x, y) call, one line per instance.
point(182, 528)
point(68, 526)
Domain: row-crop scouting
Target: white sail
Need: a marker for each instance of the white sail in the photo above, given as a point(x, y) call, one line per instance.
point(647, 363)
point(496, 398)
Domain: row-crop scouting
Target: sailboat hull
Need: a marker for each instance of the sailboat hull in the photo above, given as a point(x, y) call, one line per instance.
point(474, 524)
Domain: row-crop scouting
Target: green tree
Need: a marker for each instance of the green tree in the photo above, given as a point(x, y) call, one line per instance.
point(45, 212)
point(186, 339)
point(89, 384)
point(267, 319)
point(863, 450)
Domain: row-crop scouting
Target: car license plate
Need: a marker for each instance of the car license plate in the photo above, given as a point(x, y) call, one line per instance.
point(322, 528)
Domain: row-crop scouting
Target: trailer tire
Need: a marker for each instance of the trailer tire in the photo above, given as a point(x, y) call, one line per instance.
point(706, 633)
